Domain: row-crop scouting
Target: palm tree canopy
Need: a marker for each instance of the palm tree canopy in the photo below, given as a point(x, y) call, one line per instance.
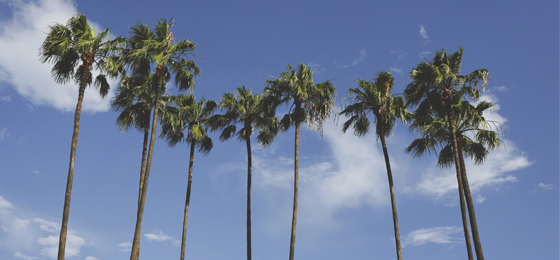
point(135, 99)
point(185, 120)
point(373, 97)
point(436, 80)
point(249, 110)
point(66, 45)
point(475, 134)
point(311, 102)
point(158, 47)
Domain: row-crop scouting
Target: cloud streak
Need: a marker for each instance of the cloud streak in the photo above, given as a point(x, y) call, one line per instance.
point(437, 235)
point(355, 62)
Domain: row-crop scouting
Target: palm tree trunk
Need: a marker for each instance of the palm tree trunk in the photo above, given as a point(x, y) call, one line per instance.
point(296, 184)
point(143, 163)
point(470, 207)
point(455, 149)
point(70, 179)
point(187, 202)
point(249, 171)
point(135, 252)
point(464, 215)
point(393, 200)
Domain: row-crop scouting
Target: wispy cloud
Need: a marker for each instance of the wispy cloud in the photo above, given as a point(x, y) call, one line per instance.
point(437, 235)
point(125, 247)
point(396, 70)
point(23, 34)
point(4, 133)
point(24, 235)
point(479, 199)
point(158, 235)
point(502, 89)
point(543, 186)
point(91, 258)
point(22, 256)
point(356, 61)
point(316, 68)
point(5, 98)
point(424, 34)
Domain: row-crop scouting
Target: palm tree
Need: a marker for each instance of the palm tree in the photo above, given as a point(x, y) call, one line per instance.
point(374, 97)
point(310, 103)
point(135, 100)
point(74, 49)
point(434, 130)
point(251, 111)
point(160, 49)
point(433, 85)
point(185, 114)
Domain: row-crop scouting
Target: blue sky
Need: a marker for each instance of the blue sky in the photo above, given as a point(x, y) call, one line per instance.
point(344, 199)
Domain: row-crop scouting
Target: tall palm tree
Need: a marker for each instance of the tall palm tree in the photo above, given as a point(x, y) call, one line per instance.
point(310, 103)
point(251, 111)
point(433, 85)
point(374, 98)
point(74, 49)
point(159, 50)
point(135, 100)
point(434, 131)
point(185, 120)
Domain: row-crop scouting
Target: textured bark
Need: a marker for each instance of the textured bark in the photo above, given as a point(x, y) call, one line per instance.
point(296, 184)
point(70, 178)
point(143, 162)
point(249, 172)
point(470, 207)
point(187, 202)
point(393, 200)
point(135, 252)
point(464, 210)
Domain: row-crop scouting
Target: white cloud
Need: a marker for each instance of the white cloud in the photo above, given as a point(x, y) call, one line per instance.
point(125, 246)
point(158, 235)
point(479, 199)
point(73, 245)
point(22, 256)
point(396, 70)
point(23, 34)
point(4, 133)
point(5, 98)
point(91, 258)
point(545, 186)
point(502, 89)
point(438, 235)
point(424, 34)
point(23, 234)
point(316, 68)
point(353, 176)
point(4, 204)
point(355, 62)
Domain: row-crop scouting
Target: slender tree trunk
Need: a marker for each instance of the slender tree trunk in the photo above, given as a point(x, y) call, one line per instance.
point(70, 179)
point(296, 184)
point(470, 207)
point(135, 252)
point(456, 154)
point(249, 172)
point(143, 162)
point(187, 202)
point(464, 213)
point(393, 200)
